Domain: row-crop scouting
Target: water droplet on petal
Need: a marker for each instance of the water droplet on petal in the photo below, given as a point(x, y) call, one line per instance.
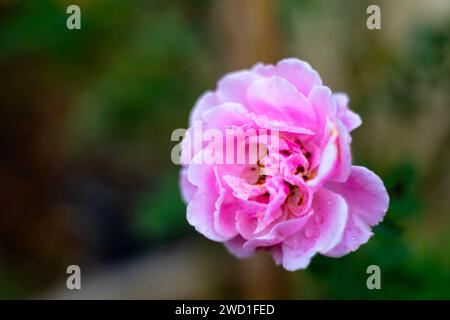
point(352, 238)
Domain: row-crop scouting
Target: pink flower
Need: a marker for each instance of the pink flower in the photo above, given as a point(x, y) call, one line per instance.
point(303, 196)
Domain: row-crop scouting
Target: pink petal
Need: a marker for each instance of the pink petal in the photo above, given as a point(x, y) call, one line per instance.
point(265, 70)
point(278, 192)
point(187, 189)
point(299, 73)
point(200, 214)
point(225, 211)
point(344, 165)
point(367, 200)
point(202, 206)
point(328, 160)
point(206, 101)
point(299, 202)
point(323, 104)
point(236, 247)
point(265, 122)
point(233, 86)
point(322, 232)
point(242, 189)
point(350, 119)
point(278, 233)
point(246, 224)
point(277, 99)
point(225, 115)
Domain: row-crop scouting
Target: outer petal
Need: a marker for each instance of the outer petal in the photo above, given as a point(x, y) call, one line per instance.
point(206, 101)
point(278, 99)
point(200, 214)
point(322, 103)
point(236, 247)
point(266, 70)
point(187, 189)
point(367, 200)
point(230, 114)
point(350, 119)
point(233, 86)
point(202, 206)
point(225, 211)
point(299, 73)
point(225, 115)
point(322, 232)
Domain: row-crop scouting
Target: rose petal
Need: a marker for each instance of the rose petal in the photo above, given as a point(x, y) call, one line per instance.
point(350, 119)
point(367, 200)
point(278, 233)
point(323, 104)
point(235, 246)
point(278, 99)
point(344, 165)
point(201, 207)
point(225, 211)
point(187, 189)
point(233, 86)
point(224, 115)
point(328, 159)
point(299, 73)
point(265, 122)
point(322, 232)
point(206, 101)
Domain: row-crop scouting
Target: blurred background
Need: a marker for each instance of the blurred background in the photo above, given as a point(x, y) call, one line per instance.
point(85, 124)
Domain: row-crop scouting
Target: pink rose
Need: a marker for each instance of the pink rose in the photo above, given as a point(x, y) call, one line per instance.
point(303, 195)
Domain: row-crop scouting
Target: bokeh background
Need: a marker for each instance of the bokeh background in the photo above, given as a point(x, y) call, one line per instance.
point(85, 124)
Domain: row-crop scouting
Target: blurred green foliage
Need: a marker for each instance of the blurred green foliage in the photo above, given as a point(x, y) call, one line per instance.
point(167, 218)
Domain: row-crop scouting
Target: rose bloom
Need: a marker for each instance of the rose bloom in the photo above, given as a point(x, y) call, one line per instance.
point(302, 196)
